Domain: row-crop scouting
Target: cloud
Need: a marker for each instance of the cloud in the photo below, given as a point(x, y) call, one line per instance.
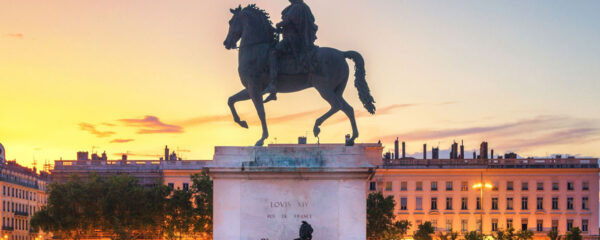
point(206, 119)
point(15, 35)
point(109, 124)
point(92, 129)
point(121, 140)
point(380, 112)
point(527, 125)
point(567, 136)
point(150, 125)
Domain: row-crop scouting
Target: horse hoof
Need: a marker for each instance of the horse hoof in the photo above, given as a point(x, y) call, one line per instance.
point(350, 142)
point(316, 131)
point(243, 124)
point(259, 143)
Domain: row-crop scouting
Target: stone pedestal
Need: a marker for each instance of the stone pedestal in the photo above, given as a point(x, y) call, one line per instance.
point(264, 193)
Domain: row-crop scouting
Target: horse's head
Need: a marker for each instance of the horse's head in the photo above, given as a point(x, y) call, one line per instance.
point(236, 28)
point(258, 26)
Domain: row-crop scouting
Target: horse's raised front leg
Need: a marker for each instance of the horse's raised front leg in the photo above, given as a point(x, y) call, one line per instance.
point(256, 96)
point(240, 96)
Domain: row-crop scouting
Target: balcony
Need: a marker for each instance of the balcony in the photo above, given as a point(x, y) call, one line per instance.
point(21, 213)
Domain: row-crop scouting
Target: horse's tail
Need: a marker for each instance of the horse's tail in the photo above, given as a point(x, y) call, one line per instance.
point(360, 82)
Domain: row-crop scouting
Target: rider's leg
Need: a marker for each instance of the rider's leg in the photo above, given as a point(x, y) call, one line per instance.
point(273, 72)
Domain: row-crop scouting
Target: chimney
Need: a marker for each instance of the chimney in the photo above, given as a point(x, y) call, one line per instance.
point(462, 149)
point(124, 157)
point(435, 153)
point(166, 153)
point(403, 150)
point(454, 151)
point(474, 155)
point(492, 154)
point(82, 156)
point(483, 150)
point(396, 152)
point(104, 157)
point(301, 140)
point(424, 151)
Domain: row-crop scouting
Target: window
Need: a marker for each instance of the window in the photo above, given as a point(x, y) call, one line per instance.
point(419, 203)
point(585, 186)
point(540, 186)
point(419, 186)
point(584, 225)
point(494, 224)
point(403, 203)
point(433, 203)
point(433, 186)
point(403, 186)
point(464, 186)
point(584, 203)
point(509, 186)
point(555, 224)
point(509, 223)
point(570, 203)
point(372, 186)
point(524, 186)
point(448, 225)
point(186, 186)
point(494, 203)
point(388, 186)
point(540, 203)
point(569, 224)
point(554, 186)
point(448, 203)
point(509, 203)
point(523, 224)
point(478, 204)
point(479, 224)
point(464, 223)
point(539, 226)
point(555, 203)
point(495, 185)
point(524, 203)
point(434, 224)
point(570, 186)
point(463, 203)
point(448, 186)
point(171, 185)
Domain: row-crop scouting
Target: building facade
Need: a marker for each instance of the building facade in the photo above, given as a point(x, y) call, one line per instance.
point(465, 194)
point(23, 193)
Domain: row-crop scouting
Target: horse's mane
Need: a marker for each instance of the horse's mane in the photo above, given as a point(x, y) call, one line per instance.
point(264, 16)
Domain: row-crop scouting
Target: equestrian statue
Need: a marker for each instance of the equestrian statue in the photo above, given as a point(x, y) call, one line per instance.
point(267, 65)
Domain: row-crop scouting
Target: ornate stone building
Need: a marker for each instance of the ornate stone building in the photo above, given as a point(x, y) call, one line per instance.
point(460, 194)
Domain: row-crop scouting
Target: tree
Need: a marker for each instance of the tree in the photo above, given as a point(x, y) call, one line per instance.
point(397, 230)
point(573, 234)
point(475, 235)
point(553, 234)
point(452, 235)
point(179, 214)
point(424, 231)
point(202, 189)
point(525, 234)
point(380, 218)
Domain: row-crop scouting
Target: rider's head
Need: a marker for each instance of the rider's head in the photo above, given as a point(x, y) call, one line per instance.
point(296, 1)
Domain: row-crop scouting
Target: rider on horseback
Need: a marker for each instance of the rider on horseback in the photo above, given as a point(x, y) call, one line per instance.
point(299, 35)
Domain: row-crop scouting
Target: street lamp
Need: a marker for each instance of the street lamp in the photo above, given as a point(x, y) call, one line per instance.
point(481, 185)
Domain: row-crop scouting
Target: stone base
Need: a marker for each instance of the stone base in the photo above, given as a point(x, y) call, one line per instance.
point(265, 193)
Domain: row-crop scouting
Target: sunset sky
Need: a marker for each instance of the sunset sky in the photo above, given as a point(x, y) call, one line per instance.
point(134, 76)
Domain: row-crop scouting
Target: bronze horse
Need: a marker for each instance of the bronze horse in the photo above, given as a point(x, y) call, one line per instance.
point(253, 27)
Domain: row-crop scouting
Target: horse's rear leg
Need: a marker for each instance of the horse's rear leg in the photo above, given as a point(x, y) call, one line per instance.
point(349, 111)
point(240, 96)
point(332, 99)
